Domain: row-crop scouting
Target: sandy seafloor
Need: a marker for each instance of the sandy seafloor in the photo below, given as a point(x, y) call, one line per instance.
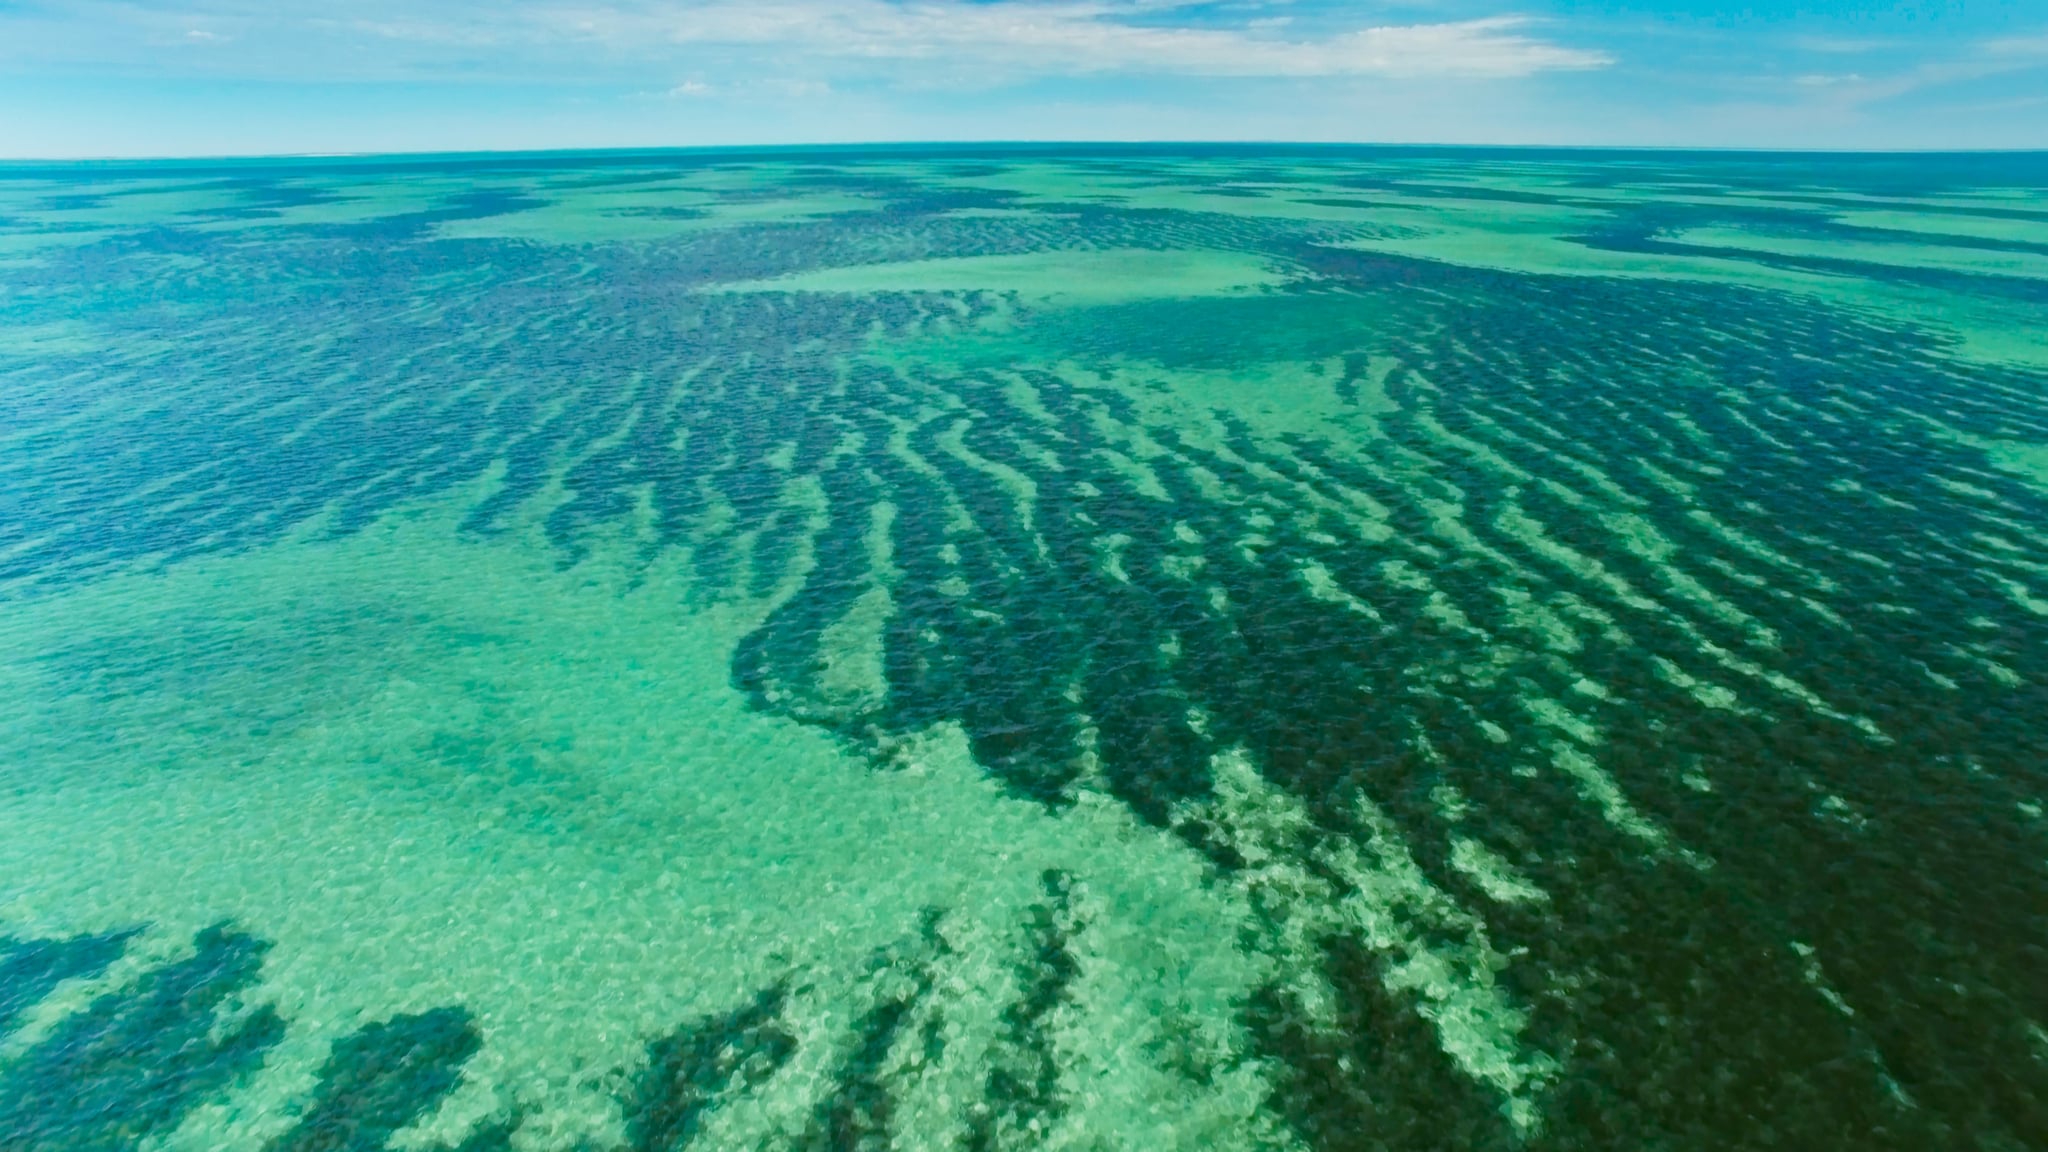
point(1132, 648)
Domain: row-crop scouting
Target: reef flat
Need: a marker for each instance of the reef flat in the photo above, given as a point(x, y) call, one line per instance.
point(1121, 648)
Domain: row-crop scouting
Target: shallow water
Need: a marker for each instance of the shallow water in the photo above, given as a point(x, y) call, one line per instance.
point(1284, 649)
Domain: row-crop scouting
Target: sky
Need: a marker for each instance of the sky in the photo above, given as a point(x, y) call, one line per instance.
point(237, 77)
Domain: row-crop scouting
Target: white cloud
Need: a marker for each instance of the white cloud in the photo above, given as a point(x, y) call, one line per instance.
point(1826, 80)
point(1069, 37)
point(901, 43)
point(2019, 46)
point(1979, 61)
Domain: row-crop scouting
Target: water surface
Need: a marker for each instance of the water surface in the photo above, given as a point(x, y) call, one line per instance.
point(974, 649)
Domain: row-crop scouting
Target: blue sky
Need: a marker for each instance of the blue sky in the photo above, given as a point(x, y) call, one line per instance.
point(213, 77)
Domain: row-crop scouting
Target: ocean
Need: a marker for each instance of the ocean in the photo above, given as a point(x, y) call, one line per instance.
point(998, 648)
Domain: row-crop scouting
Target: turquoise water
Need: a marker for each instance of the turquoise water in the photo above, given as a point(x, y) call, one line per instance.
point(993, 649)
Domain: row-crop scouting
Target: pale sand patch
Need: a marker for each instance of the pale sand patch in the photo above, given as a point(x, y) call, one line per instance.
point(436, 770)
point(1067, 276)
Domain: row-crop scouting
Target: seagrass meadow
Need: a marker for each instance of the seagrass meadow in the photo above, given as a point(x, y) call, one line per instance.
point(998, 649)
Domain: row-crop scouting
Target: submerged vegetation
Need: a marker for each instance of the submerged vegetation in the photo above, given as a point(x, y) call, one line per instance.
point(1315, 650)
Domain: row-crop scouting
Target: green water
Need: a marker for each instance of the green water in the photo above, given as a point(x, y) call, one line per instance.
point(1075, 649)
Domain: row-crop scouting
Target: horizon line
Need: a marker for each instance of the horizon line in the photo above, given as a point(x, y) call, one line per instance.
point(624, 151)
